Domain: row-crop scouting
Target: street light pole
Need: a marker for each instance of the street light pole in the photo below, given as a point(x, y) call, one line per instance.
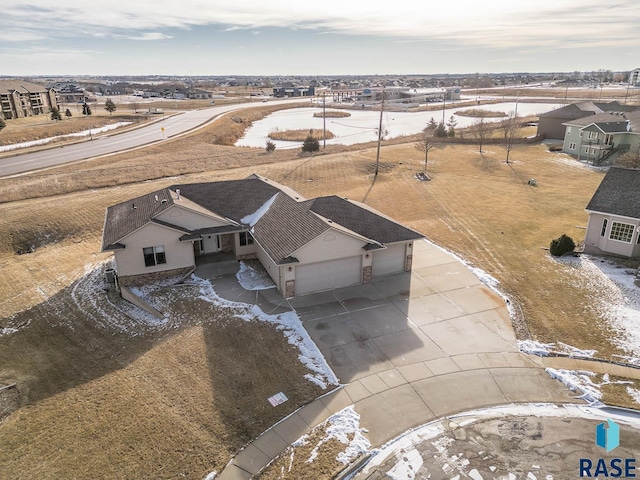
point(379, 135)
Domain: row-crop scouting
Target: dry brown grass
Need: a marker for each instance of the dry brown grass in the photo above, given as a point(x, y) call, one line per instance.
point(477, 112)
point(299, 135)
point(41, 126)
point(332, 114)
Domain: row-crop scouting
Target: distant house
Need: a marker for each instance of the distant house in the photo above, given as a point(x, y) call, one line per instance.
point(552, 124)
point(20, 99)
point(290, 90)
point(603, 137)
point(614, 215)
point(634, 77)
point(305, 245)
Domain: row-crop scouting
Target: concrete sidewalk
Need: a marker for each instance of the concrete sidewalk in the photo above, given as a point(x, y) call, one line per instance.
point(410, 348)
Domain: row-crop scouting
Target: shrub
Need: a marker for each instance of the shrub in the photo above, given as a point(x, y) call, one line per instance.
point(270, 146)
point(311, 144)
point(561, 245)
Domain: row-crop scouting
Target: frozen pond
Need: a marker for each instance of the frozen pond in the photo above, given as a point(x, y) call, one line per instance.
point(362, 125)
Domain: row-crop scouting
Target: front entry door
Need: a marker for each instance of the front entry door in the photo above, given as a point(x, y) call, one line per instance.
point(211, 243)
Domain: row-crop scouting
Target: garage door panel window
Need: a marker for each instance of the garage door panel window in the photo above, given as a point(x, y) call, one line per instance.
point(154, 256)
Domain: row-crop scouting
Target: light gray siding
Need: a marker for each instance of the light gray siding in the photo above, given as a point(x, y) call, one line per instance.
point(130, 260)
point(272, 269)
point(596, 242)
point(330, 245)
point(389, 260)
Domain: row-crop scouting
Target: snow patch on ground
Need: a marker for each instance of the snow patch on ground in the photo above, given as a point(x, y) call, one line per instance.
point(403, 446)
point(44, 141)
point(343, 426)
point(634, 393)
point(583, 382)
point(291, 327)
point(252, 279)
point(545, 349)
point(616, 298)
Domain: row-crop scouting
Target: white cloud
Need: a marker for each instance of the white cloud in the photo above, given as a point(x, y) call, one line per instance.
point(492, 23)
point(148, 36)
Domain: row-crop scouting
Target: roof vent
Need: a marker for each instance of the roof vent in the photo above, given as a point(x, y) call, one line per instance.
point(156, 197)
point(178, 193)
point(163, 201)
point(133, 206)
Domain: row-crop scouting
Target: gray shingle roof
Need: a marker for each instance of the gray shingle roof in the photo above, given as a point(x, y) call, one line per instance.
point(126, 217)
point(7, 86)
point(362, 220)
point(572, 111)
point(618, 193)
point(607, 122)
point(287, 226)
point(234, 199)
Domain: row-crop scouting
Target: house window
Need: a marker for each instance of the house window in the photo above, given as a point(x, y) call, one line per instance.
point(572, 146)
point(245, 239)
point(604, 227)
point(623, 232)
point(154, 256)
point(593, 135)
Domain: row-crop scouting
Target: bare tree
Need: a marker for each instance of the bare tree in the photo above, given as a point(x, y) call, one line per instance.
point(631, 159)
point(510, 133)
point(426, 144)
point(480, 129)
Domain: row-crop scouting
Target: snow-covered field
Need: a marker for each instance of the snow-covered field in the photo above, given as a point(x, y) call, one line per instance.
point(44, 141)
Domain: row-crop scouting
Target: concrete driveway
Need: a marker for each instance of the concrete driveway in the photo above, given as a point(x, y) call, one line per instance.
point(410, 348)
point(414, 347)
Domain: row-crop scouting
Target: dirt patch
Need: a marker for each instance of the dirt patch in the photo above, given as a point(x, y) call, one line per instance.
point(479, 113)
point(332, 114)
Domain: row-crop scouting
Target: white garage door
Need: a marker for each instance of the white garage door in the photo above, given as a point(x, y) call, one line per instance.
point(390, 260)
point(327, 275)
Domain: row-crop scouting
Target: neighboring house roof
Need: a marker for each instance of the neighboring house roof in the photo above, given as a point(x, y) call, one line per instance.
point(280, 220)
point(618, 193)
point(611, 122)
point(8, 86)
point(615, 107)
point(573, 111)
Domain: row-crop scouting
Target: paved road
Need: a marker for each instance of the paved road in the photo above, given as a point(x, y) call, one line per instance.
point(111, 143)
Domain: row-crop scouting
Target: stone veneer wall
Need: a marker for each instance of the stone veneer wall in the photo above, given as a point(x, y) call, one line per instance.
point(407, 263)
point(146, 278)
point(227, 242)
point(290, 289)
point(367, 273)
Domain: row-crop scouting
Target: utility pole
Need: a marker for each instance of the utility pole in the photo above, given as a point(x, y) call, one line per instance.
point(379, 135)
point(324, 120)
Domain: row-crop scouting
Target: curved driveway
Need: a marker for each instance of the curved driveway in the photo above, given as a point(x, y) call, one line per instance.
point(410, 348)
point(111, 143)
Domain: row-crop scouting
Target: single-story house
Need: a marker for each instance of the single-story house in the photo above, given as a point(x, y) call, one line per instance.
point(602, 137)
point(614, 215)
point(304, 245)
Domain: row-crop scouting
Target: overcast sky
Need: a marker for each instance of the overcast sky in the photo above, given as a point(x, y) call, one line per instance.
point(278, 37)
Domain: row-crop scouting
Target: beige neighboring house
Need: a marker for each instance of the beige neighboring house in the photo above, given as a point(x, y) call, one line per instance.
point(20, 99)
point(614, 215)
point(305, 245)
